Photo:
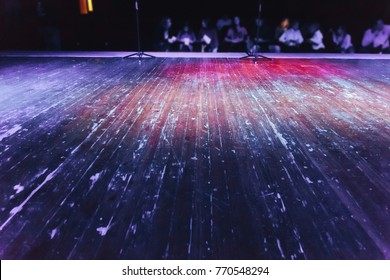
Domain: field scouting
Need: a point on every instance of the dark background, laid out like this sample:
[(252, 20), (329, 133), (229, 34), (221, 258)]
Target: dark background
[(112, 24)]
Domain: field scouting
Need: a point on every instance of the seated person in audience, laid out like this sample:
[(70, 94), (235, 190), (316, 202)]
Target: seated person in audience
[(186, 38), (279, 30), (260, 37), (208, 37), (315, 41), (376, 38), (292, 38), (164, 39), (236, 36), (342, 41)]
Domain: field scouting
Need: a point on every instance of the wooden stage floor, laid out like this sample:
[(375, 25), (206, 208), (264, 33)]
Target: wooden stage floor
[(194, 158)]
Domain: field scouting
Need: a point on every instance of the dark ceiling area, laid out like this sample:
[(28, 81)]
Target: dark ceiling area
[(111, 26)]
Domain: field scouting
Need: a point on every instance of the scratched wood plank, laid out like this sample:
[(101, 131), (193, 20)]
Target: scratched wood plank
[(194, 159)]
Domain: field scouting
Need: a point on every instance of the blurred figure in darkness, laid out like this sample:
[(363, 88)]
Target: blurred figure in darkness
[(342, 41), (236, 36), (208, 37), (260, 37), (223, 24), (186, 38), (315, 41), (164, 40), (376, 38)]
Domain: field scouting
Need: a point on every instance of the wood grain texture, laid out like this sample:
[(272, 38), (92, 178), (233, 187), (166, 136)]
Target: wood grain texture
[(194, 159)]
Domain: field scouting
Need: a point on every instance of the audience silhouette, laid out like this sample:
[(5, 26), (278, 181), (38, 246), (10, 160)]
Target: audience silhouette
[(376, 38), (292, 38), (208, 37), (342, 41), (236, 36), (186, 38), (164, 39)]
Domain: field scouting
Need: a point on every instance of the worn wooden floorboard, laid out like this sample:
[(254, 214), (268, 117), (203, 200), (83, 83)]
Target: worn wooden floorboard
[(194, 159)]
